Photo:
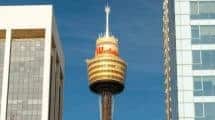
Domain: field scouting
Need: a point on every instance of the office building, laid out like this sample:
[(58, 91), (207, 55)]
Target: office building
[(31, 64), (189, 59)]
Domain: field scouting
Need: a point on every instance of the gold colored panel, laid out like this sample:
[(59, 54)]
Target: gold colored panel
[(106, 64), (106, 78), (2, 34), (106, 58), (106, 74), (28, 33), (95, 66), (106, 70)]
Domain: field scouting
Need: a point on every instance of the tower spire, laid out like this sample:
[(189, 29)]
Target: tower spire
[(107, 11)]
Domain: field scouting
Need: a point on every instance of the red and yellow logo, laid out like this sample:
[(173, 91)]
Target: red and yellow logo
[(108, 48)]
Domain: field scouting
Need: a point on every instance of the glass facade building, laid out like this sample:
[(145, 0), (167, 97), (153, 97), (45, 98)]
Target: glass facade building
[(25, 79), (31, 65), (189, 59)]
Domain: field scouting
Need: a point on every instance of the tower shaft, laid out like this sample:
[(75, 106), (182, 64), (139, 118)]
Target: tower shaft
[(106, 105)]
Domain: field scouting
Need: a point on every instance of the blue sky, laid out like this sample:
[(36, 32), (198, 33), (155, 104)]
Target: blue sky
[(137, 24)]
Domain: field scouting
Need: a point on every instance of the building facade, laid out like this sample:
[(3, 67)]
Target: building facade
[(189, 59), (31, 64)]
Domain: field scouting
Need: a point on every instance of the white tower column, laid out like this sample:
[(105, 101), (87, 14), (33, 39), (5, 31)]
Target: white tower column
[(5, 75), (107, 11)]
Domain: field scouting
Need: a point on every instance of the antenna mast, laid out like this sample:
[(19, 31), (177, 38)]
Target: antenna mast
[(107, 11)]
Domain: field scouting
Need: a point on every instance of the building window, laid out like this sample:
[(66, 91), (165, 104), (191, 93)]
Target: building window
[(203, 59), (204, 111), (203, 34), (199, 110), (202, 9), (197, 59), (204, 85)]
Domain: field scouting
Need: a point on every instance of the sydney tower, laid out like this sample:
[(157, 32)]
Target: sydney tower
[(106, 70)]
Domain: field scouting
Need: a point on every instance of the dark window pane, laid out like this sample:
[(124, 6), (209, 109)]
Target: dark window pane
[(204, 85), (204, 111), (196, 57), (204, 60), (199, 112), (203, 34)]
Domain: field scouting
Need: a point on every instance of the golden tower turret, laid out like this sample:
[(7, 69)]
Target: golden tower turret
[(106, 70)]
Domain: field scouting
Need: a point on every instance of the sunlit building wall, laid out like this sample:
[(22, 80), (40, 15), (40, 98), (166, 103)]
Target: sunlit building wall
[(194, 38), (31, 64)]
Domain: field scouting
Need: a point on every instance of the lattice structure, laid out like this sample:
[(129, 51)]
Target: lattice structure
[(166, 49)]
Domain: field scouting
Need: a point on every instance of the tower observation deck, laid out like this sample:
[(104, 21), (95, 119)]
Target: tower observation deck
[(106, 70)]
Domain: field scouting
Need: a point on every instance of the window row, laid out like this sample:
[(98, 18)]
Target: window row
[(203, 34), (204, 85), (202, 9), (203, 59)]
